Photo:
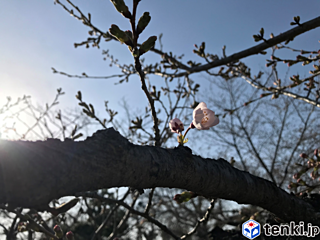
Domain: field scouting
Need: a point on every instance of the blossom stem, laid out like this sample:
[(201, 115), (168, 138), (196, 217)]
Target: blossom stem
[(186, 132)]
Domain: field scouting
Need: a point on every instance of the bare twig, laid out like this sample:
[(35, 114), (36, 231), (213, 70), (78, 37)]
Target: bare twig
[(104, 223), (202, 220), (149, 201), (133, 211)]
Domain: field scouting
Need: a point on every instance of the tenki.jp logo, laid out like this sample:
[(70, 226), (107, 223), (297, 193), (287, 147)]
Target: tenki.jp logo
[(251, 229)]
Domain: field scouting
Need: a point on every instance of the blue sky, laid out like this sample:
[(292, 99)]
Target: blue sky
[(38, 35)]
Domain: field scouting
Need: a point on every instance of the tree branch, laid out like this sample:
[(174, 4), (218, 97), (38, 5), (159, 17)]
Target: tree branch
[(290, 34), (34, 173)]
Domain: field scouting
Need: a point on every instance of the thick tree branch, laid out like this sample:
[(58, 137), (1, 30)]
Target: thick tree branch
[(290, 34), (34, 173)]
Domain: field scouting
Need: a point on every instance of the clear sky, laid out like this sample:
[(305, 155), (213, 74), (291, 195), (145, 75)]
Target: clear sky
[(37, 35)]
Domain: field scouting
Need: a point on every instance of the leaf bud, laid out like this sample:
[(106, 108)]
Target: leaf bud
[(143, 22), (120, 35), (121, 8), (147, 45), (256, 38)]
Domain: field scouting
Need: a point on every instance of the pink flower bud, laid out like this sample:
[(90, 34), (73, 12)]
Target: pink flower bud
[(177, 198), (303, 155), (204, 118), (70, 235), (316, 152), (58, 231), (56, 228), (176, 125), (313, 175)]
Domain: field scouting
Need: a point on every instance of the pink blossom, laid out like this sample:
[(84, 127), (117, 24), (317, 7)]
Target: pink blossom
[(70, 235), (176, 125), (204, 118)]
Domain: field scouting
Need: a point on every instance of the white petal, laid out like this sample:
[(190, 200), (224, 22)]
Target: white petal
[(198, 115), (197, 125), (202, 106), (216, 121)]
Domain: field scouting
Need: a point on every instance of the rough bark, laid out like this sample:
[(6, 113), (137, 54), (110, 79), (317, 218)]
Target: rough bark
[(34, 173)]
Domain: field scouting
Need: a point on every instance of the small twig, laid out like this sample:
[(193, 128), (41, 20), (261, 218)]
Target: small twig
[(86, 76), (286, 93), (103, 224), (149, 201), (202, 220), (133, 211), (32, 222), (142, 78), (124, 219)]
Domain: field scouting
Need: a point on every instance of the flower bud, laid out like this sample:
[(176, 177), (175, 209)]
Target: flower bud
[(312, 175), (177, 198), (296, 176), (292, 186), (70, 235), (176, 125), (58, 231), (303, 155), (316, 152), (310, 164), (22, 226)]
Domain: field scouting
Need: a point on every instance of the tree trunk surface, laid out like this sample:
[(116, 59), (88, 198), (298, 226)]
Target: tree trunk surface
[(34, 173)]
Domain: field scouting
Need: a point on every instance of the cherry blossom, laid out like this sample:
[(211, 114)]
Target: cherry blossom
[(203, 118)]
